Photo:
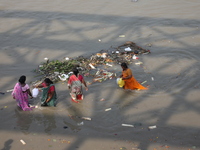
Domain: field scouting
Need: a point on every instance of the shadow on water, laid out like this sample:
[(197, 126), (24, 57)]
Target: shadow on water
[(122, 101), (7, 145), (24, 120)]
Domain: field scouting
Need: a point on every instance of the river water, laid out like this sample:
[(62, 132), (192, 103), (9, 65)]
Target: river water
[(31, 30)]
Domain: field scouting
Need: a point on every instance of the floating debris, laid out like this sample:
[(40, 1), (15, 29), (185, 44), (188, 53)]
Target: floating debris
[(63, 77), (10, 90), (80, 124), (121, 35), (86, 118), (152, 127), (59, 70), (139, 63), (127, 125), (108, 109), (22, 141), (143, 82), (128, 49), (102, 99), (135, 57)]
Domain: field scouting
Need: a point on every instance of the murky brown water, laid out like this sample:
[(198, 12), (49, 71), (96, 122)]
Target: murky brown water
[(32, 30)]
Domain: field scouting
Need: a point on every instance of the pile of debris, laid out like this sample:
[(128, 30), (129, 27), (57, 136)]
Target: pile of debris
[(60, 70)]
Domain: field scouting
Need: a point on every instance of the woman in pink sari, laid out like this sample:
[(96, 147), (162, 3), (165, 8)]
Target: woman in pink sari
[(75, 85), (20, 94)]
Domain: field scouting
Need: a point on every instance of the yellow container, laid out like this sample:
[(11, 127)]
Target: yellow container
[(120, 82)]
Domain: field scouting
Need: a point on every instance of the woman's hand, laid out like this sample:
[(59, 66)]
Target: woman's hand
[(86, 88)]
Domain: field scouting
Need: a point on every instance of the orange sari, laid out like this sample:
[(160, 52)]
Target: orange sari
[(131, 83)]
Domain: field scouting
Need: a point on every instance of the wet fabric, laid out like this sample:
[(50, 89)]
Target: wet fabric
[(131, 83), (45, 92), (21, 96), (76, 87)]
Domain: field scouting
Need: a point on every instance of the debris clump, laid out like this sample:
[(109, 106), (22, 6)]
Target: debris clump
[(58, 70)]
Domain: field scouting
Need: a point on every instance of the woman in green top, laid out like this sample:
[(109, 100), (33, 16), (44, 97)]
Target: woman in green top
[(48, 93)]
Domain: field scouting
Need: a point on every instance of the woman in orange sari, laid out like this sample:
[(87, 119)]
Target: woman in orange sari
[(130, 81)]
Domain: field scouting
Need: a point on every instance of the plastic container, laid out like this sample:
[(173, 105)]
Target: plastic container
[(120, 82), (35, 92)]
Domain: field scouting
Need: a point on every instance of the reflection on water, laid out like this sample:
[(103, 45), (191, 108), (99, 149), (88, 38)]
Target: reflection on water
[(24, 119), (75, 112), (47, 119)]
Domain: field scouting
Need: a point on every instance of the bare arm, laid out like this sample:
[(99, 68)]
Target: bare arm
[(50, 95), (29, 92), (86, 88), (39, 86)]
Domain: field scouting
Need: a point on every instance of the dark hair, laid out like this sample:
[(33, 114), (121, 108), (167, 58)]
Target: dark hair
[(47, 80), (75, 71), (22, 79), (124, 65)]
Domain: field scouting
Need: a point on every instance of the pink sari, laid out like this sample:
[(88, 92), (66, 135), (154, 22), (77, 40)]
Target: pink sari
[(76, 87), (21, 97)]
